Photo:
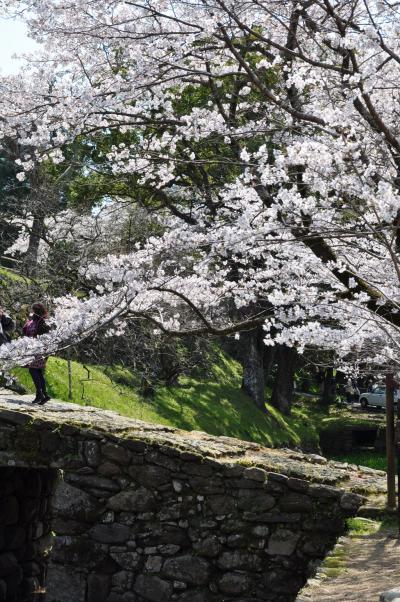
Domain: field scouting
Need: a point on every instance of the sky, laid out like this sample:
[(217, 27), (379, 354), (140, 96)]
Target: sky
[(13, 40)]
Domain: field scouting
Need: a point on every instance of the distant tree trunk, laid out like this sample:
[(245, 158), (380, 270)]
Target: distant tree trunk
[(328, 388), (253, 366), (282, 394), (32, 254)]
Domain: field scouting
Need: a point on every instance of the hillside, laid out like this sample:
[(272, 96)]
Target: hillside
[(215, 405)]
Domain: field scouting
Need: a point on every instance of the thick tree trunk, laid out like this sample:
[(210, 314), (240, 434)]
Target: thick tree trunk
[(282, 394), (328, 388), (253, 366)]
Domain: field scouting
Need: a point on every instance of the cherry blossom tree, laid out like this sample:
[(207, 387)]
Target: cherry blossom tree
[(267, 130)]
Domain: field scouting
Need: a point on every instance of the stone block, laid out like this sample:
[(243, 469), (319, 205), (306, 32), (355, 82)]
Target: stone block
[(296, 502), (168, 549), (65, 584), (78, 551), (133, 500), (298, 485), (126, 560), (155, 457), (324, 491), (93, 482), (153, 564), (110, 534), (202, 596), (116, 453), (258, 502), (150, 476), (98, 587), (127, 597), (392, 595), (238, 540), (255, 474), (351, 502), (208, 547), (207, 486), (122, 581), (283, 542), (239, 559), (91, 451), (187, 568), (233, 583), (68, 527), (109, 469), (153, 588), (199, 470), (272, 517), (50, 442), (220, 504), (74, 503)]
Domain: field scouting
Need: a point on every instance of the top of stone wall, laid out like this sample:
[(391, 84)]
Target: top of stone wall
[(90, 421)]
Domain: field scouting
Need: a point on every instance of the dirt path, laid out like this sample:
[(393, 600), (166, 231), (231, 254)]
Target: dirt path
[(368, 566)]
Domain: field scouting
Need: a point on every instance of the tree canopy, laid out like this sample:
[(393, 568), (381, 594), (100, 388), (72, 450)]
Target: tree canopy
[(267, 135)]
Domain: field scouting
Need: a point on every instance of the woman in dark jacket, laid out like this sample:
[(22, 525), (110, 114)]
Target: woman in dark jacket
[(35, 326)]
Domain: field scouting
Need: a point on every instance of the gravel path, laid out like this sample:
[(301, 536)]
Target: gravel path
[(371, 566)]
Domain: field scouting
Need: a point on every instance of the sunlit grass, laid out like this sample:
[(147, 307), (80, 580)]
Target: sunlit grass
[(362, 527), (216, 405)]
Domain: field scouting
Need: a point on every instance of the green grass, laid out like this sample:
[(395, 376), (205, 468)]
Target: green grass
[(370, 459), (9, 274), (215, 405), (362, 527)]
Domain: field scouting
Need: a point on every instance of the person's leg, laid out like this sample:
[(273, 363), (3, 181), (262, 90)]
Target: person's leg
[(45, 395), (35, 374), (42, 380)]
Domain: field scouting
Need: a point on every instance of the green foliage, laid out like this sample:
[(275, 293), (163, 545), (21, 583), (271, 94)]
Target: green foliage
[(362, 527)]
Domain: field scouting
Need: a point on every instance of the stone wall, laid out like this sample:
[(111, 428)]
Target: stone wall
[(147, 513), (24, 532)]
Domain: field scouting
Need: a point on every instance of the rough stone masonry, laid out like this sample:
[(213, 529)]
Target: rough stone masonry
[(95, 507)]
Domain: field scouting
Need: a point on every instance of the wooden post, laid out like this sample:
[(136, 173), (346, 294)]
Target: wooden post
[(397, 443), (69, 379), (390, 444)]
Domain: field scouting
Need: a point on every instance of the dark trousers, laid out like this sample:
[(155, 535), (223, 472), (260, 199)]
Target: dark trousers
[(37, 375)]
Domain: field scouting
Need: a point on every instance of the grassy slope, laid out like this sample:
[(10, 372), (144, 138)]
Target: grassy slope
[(216, 405)]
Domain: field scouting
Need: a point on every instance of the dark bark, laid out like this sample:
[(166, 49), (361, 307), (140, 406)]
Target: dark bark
[(282, 394), (35, 235), (328, 388), (269, 359), (253, 366)]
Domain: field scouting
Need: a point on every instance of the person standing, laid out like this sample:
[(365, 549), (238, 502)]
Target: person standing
[(35, 326)]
